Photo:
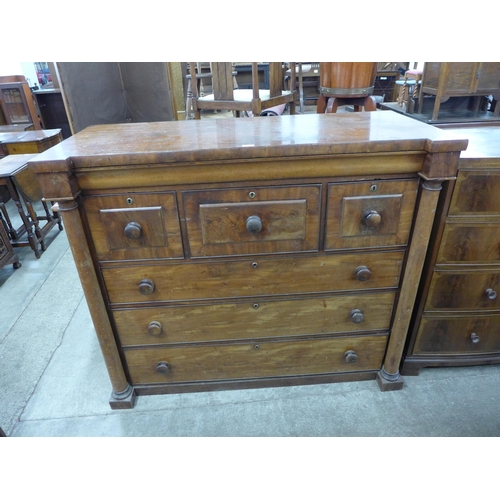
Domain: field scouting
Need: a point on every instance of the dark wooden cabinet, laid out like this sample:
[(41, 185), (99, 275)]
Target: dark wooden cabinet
[(7, 254), (243, 253), (17, 102), (457, 317)]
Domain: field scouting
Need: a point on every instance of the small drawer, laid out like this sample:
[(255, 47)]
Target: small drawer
[(476, 193), (370, 214), (254, 319), (252, 277), (472, 290), (470, 243), (458, 335), (251, 360), (254, 220), (135, 226)]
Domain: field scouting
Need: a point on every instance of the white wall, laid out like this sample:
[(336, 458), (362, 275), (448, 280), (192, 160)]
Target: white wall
[(8, 68)]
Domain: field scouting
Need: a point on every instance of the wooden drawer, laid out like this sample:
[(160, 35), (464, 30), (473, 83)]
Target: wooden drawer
[(253, 277), (458, 335), (250, 360), (370, 214), (254, 220), (135, 226), (476, 193), (252, 320), (469, 243), (472, 290)]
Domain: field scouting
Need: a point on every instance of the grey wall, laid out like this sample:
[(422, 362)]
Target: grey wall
[(112, 92)]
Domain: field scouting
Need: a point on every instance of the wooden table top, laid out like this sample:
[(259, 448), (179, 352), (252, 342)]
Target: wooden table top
[(28, 136), (15, 128), (484, 140), (11, 164), (252, 138)]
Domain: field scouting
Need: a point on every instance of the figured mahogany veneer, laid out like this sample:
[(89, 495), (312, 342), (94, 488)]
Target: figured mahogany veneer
[(244, 253), (457, 318)]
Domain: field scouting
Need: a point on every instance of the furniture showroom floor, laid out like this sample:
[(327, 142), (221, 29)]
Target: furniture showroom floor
[(54, 382)]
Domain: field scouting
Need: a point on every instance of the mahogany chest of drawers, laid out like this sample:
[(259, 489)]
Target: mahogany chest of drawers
[(241, 253), (457, 317)]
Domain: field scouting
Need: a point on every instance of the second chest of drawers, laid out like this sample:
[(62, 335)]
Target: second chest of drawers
[(457, 321)]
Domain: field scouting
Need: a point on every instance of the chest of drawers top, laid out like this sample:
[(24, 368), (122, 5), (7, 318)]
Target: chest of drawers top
[(247, 147)]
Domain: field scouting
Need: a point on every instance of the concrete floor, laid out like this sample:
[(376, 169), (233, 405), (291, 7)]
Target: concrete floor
[(53, 381)]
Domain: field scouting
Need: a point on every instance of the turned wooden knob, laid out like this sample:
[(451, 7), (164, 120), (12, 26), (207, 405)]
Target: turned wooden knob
[(146, 286), (350, 357), (133, 230), (491, 294), (155, 328), (254, 224), (163, 367), (372, 218), (474, 338), (362, 273), (356, 316)]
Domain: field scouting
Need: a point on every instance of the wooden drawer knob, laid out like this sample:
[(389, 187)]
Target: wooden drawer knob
[(362, 273), (133, 230), (350, 357), (372, 218), (474, 338), (146, 287), (254, 224), (357, 316), (155, 328), (491, 294), (163, 367)]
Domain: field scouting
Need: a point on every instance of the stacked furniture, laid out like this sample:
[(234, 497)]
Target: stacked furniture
[(250, 253), (457, 320), (458, 79)]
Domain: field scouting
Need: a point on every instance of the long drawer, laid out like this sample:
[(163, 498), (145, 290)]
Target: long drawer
[(255, 360), (252, 277), (253, 320), (458, 335)]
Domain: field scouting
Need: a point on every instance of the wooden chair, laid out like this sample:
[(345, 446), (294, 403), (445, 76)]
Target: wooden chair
[(307, 74), (225, 97)]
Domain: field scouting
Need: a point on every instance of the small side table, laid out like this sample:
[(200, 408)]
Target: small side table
[(29, 141), (20, 183)]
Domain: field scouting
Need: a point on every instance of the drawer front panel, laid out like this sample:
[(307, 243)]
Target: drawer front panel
[(464, 290), (252, 221), (464, 335), (248, 278), (370, 214), (250, 319), (255, 360), (476, 193), (135, 226), (470, 243)]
